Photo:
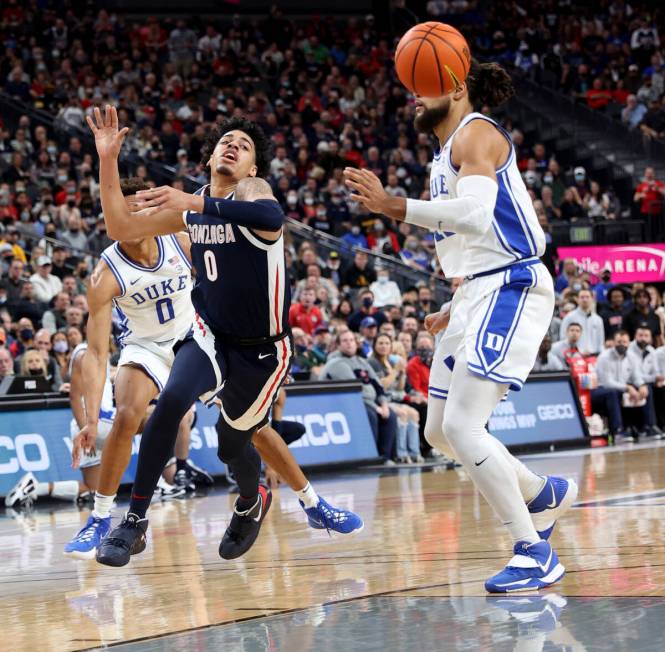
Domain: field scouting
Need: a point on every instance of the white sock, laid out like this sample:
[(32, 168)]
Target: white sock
[(308, 496), (66, 490), (103, 505), (43, 489)]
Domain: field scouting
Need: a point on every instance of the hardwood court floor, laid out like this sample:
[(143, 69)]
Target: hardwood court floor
[(428, 536)]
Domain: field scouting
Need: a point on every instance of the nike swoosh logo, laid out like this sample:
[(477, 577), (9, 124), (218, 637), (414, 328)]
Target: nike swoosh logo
[(545, 567), (481, 461), (553, 503), (136, 280), (264, 355)]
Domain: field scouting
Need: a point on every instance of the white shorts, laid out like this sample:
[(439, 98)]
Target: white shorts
[(155, 360), (103, 429), (498, 321)]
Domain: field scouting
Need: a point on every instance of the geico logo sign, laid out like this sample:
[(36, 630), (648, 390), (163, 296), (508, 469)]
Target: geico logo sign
[(15, 450), (555, 411), (322, 429)]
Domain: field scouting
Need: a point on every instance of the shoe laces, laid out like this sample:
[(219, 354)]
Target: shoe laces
[(330, 516), (88, 532)]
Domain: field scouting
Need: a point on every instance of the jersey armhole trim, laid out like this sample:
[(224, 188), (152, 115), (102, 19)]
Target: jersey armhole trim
[(501, 130), (116, 273), (257, 240), (176, 244)]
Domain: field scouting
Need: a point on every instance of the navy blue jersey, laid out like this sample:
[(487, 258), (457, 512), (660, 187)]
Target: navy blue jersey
[(241, 287)]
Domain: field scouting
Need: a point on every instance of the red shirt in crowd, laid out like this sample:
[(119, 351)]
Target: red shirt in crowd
[(418, 374), (652, 202), (306, 318)]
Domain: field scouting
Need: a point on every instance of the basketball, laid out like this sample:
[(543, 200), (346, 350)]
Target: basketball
[(432, 59)]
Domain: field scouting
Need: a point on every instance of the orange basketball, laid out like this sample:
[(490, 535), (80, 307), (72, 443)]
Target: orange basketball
[(432, 59)]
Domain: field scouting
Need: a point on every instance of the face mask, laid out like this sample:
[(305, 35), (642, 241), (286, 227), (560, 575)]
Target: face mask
[(412, 246), (301, 348), (291, 200), (642, 345), (321, 213), (26, 333), (382, 279), (548, 179), (367, 302), (4, 201), (71, 203), (60, 346), (425, 356), (52, 150), (62, 179), (309, 201), (355, 230), (620, 349), (3, 299), (83, 273), (44, 219), (36, 372), (74, 230), (25, 216), (577, 287)]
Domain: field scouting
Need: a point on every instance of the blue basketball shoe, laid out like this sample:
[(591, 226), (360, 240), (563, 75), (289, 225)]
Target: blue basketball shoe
[(534, 566), (554, 499), (327, 517), (84, 545)]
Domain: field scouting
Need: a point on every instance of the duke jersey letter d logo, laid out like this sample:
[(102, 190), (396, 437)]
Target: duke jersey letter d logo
[(494, 341)]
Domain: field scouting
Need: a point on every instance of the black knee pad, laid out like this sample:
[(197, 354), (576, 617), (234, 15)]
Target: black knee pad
[(230, 441)]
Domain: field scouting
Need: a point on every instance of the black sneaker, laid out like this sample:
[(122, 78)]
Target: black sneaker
[(199, 475), (244, 527), (123, 541), (184, 480)]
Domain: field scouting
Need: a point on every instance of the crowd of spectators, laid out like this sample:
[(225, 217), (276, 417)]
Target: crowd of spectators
[(325, 93)]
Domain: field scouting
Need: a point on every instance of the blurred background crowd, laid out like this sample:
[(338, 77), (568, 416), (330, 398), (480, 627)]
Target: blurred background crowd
[(325, 92)]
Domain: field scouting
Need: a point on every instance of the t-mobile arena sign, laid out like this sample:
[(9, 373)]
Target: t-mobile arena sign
[(628, 263)]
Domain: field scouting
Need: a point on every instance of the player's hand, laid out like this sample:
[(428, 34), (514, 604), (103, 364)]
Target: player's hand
[(370, 193), (84, 441), (163, 198), (437, 321), (108, 139), (383, 410)]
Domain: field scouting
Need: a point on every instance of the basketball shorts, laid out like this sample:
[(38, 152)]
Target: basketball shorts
[(498, 321), (248, 377), (103, 429), (155, 359)]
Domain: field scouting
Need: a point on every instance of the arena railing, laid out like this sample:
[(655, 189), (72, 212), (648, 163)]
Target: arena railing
[(400, 272)]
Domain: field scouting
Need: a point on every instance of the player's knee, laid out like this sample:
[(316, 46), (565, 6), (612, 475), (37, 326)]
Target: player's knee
[(127, 421), (434, 434), (230, 440)]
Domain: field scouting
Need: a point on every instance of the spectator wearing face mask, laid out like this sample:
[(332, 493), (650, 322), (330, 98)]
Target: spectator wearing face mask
[(25, 334), (386, 292), (655, 373), (74, 235), (546, 360), (32, 364), (567, 276), (622, 393), (366, 309), (413, 253), (333, 269), (382, 240), (418, 367), (593, 331), (355, 237)]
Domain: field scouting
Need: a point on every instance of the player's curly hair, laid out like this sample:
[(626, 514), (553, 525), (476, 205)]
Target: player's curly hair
[(131, 185), (488, 84), (253, 130)]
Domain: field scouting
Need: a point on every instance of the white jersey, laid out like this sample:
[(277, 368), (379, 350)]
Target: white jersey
[(515, 234), (155, 307)]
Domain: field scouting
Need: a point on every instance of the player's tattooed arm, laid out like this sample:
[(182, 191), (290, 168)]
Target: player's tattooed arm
[(122, 224)]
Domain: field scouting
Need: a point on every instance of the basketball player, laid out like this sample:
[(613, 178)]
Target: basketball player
[(486, 231), (149, 281), (239, 339)]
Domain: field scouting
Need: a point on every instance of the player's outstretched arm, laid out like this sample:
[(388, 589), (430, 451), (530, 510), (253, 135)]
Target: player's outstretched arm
[(260, 214), (120, 223), (479, 149), (91, 374)]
